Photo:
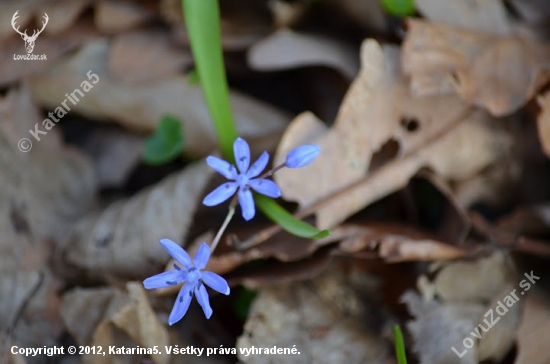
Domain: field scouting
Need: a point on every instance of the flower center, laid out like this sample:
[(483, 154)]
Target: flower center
[(193, 275), (242, 180)]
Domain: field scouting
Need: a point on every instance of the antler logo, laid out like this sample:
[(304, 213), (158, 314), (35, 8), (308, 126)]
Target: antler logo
[(29, 41)]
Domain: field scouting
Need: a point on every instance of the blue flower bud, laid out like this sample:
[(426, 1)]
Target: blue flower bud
[(302, 156)]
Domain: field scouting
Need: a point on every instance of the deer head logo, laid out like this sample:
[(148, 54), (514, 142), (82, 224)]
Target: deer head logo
[(29, 41)]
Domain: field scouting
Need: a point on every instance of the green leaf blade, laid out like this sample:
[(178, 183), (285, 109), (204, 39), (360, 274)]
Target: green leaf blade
[(166, 143), (399, 8), (399, 345), (288, 222), (202, 19)]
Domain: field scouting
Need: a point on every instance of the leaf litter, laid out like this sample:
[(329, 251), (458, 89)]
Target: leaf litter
[(432, 176)]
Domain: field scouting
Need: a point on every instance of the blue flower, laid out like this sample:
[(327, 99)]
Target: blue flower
[(302, 156), (243, 181), (192, 276)]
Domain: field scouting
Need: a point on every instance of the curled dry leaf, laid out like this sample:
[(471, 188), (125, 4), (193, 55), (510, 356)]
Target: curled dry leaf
[(487, 16), (114, 153), (140, 107), (287, 49), (35, 213), (497, 342), (146, 56), (394, 243), (52, 46), (439, 132), (112, 317), (124, 238), (62, 13), (438, 328), (532, 336), (7, 9), (367, 13), (116, 16), (499, 73), (485, 278), (543, 123), (313, 318), (484, 283), (285, 14), (243, 22)]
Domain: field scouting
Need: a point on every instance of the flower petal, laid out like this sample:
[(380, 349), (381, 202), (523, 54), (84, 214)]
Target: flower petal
[(202, 297), (247, 204), (220, 194), (224, 168), (164, 279), (265, 187), (258, 166), (176, 252), (202, 256), (216, 282), (242, 154), (182, 304), (302, 156)]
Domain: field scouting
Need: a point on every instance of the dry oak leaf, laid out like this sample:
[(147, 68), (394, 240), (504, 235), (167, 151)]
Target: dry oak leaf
[(543, 123), (392, 242), (312, 317), (499, 73), (438, 327), (532, 336), (116, 16), (113, 317), (287, 49), (124, 238), (62, 13), (486, 282), (44, 191), (140, 107), (439, 132), (487, 16), (145, 56)]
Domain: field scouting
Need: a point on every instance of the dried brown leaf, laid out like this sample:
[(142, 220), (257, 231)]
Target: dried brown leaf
[(113, 317), (543, 122), (145, 56), (481, 15), (378, 109), (497, 342), (438, 328), (393, 242), (532, 335), (44, 191), (141, 107), (499, 73), (483, 284), (313, 317), (62, 13), (114, 154), (287, 49), (53, 46), (116, 16), (485, 279), (7, 9), (367, 13), (285, 14), (124, 238)]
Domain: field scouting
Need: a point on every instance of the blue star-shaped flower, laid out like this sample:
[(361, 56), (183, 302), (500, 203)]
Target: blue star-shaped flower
[(194, 279), (243, 181)]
